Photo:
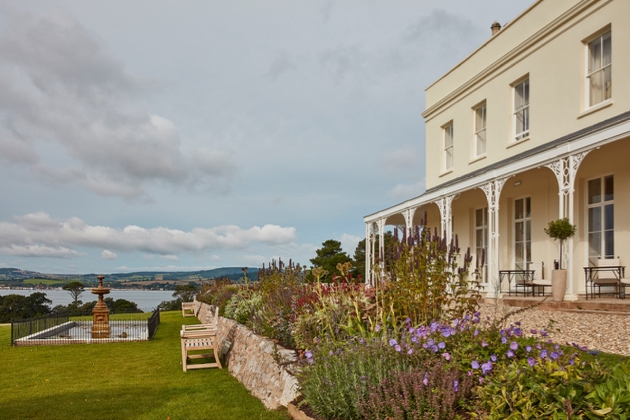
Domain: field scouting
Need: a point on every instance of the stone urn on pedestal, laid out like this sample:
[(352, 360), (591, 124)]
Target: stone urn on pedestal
[(100, 313), (560, 229)]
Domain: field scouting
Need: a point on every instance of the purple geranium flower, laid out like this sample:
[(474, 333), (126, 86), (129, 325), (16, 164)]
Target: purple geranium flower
[(543, 354), (447, 356), (397, 347), (531, 361), (441, 345), (486, 367), (392, 342), (510, 354), (475, 364), (514, 345), (493, 358), (528, 349)]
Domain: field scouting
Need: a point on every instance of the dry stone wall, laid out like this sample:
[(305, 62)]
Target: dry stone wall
[(263, 367)]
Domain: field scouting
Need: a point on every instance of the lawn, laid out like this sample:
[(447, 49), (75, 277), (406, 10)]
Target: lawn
[(142, 380)]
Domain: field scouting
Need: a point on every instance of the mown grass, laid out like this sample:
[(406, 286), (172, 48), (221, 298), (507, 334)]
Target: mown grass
[(142, 380)]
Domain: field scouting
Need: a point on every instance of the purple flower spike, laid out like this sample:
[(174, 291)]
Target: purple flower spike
[(377, 328), (425, 381), (456, 385)]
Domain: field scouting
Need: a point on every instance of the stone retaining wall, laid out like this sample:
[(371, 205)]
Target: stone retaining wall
[(260, 365)]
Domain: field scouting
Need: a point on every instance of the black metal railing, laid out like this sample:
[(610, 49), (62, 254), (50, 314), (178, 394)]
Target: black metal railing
[(25, 327), (65, 329), (153, 322)]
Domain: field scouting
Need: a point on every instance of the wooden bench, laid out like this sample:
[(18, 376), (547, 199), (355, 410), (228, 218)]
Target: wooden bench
[(196, 340), (188, 309)]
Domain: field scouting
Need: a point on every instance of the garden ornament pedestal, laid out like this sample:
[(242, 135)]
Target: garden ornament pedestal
[(100, 326), (558, 284)]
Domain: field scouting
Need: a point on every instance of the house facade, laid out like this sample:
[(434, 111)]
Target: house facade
[(531, 127)]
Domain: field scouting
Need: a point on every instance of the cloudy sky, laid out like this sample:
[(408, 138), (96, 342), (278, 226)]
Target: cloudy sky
[(170, 135)]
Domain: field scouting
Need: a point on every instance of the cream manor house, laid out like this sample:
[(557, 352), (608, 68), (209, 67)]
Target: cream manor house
[(531, 127)]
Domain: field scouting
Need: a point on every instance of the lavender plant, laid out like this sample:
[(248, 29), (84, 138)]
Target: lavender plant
[(425, 281)]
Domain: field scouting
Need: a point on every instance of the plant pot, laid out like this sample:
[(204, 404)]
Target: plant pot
[(558, 284)]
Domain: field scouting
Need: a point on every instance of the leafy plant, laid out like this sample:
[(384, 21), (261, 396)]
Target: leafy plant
[(562, 230), (425, 282)]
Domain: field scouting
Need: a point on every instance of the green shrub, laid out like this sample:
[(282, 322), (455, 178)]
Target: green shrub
[(243, 305)]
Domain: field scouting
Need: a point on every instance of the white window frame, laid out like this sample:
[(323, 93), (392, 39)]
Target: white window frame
[(521, 112), (447, 143), (594, 71), (602, 204), (526, 242), (480, 114)]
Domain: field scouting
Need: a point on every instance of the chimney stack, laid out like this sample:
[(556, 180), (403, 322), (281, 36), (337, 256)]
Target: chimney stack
[(495, 27)]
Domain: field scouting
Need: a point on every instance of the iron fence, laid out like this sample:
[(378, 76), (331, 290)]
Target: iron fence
[(153, 322), (64, 329)]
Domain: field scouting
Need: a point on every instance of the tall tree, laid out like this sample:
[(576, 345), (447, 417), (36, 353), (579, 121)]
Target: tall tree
[(75, 288), (328, 256), (358, 261)]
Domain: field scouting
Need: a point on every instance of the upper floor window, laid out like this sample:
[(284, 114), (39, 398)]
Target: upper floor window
[(448, 146), (521, 110), (480, 130), (599, 69)]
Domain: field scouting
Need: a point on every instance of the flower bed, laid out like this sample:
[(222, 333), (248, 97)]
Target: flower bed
[(415, 345)]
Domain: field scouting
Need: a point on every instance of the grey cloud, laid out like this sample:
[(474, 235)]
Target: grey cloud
[(281, 64), (60, 85)]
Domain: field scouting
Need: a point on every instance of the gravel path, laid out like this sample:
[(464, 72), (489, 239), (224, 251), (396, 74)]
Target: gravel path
[(596, 330)]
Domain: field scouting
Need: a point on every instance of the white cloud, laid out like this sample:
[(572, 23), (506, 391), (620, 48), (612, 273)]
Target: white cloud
[(108, 255), (38, 234), (349, 243)]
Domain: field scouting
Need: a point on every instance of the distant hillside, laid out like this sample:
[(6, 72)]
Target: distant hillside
[(15, 276)]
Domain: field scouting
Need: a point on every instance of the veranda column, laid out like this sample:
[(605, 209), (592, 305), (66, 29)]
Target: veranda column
[(565, 170), (493, 193), (381, 245), (368, 255), (446, 216), (408, 214)]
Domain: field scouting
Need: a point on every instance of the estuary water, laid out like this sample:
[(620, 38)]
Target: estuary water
[(145, 299)]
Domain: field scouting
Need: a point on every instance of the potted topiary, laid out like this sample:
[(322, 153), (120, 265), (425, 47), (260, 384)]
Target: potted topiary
[(560, 229)]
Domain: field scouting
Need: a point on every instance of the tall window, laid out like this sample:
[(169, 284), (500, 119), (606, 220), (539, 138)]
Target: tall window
[(480, 130), (522, 233), (521, 110), (601, 218), (448, 147), (481, 239), (600, 69)]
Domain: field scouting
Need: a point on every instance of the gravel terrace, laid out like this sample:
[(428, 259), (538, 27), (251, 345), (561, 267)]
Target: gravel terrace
[(600, 331)]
